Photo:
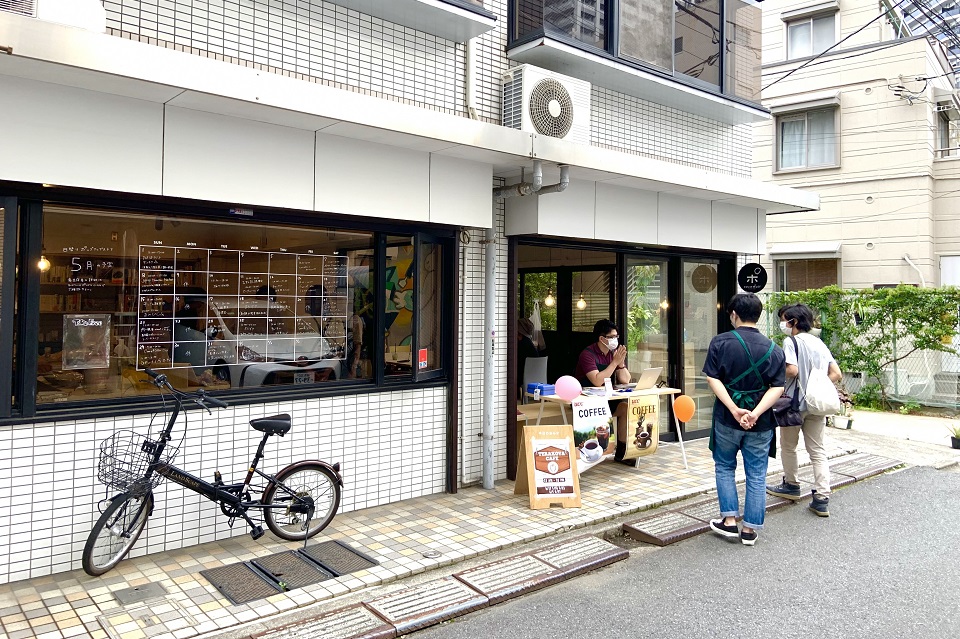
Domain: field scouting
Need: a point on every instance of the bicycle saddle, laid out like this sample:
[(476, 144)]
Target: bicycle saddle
[(276, 425)]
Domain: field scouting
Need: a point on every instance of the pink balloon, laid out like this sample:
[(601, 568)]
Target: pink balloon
[(568, 388)]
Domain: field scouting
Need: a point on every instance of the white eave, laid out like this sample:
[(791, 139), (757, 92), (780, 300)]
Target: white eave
[(442, 19), (825, 249), (108, 64)]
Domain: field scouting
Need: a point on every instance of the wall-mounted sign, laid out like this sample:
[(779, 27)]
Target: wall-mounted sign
[(704, 278), (752, 277), (86, 341)]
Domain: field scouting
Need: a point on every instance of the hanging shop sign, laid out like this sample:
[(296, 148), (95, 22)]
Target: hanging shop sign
[(752, 277)]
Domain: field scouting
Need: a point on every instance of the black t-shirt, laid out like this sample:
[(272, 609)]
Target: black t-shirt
[(726, 360)]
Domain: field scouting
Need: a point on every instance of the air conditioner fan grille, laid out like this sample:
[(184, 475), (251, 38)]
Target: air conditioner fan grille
[(551, 109)]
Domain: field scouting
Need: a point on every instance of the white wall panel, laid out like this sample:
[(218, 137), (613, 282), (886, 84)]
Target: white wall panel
[(221, 158), (365, 178), (626, 215), (460, 192), (684, 221), (734, 228), (570, 213), (61, 135)]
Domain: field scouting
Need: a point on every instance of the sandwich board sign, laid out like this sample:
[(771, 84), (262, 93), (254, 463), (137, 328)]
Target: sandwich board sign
[(547, 469)]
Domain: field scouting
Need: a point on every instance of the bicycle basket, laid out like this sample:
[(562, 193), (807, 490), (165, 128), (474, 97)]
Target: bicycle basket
[(125, 457)]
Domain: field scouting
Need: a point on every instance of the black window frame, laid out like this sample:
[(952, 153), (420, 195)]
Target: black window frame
[(26, 217)]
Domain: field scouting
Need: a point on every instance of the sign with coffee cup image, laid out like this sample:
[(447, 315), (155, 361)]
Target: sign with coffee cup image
[(593, 428), (643, 428), (547, 468)]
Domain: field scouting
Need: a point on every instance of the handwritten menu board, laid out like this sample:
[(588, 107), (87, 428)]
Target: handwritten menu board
[(206, 307)]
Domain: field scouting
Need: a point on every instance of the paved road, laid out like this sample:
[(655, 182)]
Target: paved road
[(885, 564)]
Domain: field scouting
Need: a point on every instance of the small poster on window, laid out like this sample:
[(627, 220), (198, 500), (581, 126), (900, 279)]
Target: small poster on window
[(86, 341)]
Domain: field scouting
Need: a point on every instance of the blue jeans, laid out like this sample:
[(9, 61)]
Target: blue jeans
[(755, 448)]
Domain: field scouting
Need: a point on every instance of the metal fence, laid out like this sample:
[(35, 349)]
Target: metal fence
[(930, 378)]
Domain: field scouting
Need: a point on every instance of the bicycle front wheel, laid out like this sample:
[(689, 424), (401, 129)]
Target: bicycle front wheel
[(116, 532), (305, 479)]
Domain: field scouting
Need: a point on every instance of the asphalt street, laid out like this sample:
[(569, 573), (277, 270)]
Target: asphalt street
[(885, 564)]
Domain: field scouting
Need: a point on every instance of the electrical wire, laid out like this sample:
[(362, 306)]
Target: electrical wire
[(861, 218)]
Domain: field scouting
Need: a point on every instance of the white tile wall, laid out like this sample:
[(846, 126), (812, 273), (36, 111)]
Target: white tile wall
[(319, 41), (391, 446)]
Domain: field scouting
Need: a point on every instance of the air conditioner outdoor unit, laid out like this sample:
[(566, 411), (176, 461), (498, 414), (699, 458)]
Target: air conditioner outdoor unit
[(85, 14), (544, 102), (23, 7)]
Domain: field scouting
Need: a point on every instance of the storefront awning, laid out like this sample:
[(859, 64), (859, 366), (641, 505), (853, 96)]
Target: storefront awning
[(827, 249)]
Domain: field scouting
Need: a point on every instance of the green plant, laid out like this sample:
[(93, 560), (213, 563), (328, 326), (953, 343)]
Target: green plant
[(909, 408), (954, 429), (869, 397)]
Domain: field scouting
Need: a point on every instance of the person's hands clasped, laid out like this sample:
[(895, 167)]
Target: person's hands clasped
[(620, 355), (748, 420)]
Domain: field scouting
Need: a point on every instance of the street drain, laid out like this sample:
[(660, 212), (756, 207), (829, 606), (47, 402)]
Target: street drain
[(240, 583), (290, 570), (338, 558), (665, 528)]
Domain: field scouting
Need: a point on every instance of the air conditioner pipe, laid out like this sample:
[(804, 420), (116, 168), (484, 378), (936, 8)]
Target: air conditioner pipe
[(923, 282), (523, 188), (559, 186)]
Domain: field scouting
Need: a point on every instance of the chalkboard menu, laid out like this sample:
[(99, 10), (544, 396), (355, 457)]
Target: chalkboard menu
[(207, 307)]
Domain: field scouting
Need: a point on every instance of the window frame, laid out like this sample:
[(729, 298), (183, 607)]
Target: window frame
[(780, 269), (809, 19), (805, 113), (28, 236)]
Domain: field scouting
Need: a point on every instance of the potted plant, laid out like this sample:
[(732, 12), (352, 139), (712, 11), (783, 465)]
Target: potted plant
[(954, 429), (843, 419)]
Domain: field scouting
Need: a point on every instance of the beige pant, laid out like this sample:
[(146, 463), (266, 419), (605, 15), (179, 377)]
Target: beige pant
[(813, 434)]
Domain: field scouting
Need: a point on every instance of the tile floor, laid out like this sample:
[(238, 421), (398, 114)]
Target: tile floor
[(461, 526)]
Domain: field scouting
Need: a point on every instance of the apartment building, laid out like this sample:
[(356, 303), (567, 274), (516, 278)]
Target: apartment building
[(303, 205)]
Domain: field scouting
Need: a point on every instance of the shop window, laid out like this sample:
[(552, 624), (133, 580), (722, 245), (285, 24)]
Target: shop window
[(802, 275), (222, 305), (810, 35), (591, 300), (540, 293), (807, 139)]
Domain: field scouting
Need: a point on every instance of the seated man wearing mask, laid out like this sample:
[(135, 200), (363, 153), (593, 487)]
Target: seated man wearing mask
[(606, 359)]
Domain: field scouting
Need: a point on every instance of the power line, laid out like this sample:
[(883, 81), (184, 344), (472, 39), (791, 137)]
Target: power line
[(809, 222)]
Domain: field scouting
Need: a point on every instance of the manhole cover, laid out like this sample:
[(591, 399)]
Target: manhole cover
[(665, 528), (163, 617), (240, 583), (349, 623), (581, 554), (427, 604), (291, 569), (337, 557), (510, 578), (137, 594)]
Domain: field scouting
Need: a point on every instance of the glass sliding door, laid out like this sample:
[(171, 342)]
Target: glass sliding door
[(699, 325), (646, 324)]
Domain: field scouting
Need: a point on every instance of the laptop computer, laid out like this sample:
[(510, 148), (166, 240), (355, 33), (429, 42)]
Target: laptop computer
[(648, 378)]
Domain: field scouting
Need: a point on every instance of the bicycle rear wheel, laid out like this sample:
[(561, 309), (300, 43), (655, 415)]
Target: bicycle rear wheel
[(305, 479), (116, 532)]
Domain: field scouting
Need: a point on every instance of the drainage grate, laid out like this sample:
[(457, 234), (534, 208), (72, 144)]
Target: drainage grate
[(864, 466), (355, 622), (581, 554), (665, 528), (291, 569), (427, 604), (337, 557), (240, 583), (502, 580), (837, 480)]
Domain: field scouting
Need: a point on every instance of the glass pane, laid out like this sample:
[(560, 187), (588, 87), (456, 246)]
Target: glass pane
[(803, 275), (429, 295), (742, 66), (8, 279), (528, 15), (647, 316), (793, 144), (590, 301), (581, 20), (821, 138), (699, 327), (540, 288), (798, 40), (697, 33), (398, 320), (646, 32), (824, 33), (218, 305)]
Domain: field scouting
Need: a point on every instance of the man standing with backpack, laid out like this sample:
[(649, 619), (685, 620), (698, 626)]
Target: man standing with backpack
[(796, 321), (745, 370)]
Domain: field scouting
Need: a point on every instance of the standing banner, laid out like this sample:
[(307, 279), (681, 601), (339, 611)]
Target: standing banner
[(547, 470), (643, 430), (592, 428)]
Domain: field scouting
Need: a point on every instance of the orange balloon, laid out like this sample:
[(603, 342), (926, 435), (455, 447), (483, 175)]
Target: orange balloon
[(684, 408)]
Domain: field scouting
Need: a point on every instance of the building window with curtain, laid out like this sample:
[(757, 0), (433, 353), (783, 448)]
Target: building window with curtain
[(803, 275), (807, 140), (810, 35)]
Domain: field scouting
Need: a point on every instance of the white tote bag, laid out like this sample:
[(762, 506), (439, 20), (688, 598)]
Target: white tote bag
[(821, 395)]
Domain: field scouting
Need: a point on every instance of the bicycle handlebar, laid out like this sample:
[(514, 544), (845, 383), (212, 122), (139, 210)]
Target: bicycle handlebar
[(200, 397)]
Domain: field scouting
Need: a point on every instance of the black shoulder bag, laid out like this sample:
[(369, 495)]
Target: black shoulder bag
[(786, 410)]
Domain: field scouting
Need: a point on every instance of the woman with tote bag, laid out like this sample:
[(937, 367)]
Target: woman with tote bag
[(807, 362)]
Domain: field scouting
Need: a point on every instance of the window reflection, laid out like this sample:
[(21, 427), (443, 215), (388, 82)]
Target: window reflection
[(584, 20), (398, 320), (697, 39)]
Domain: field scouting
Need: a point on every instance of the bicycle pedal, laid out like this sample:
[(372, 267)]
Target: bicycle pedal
[(256, 532)]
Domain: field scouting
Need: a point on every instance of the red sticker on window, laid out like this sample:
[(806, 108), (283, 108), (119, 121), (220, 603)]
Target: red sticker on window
[(422, 358)]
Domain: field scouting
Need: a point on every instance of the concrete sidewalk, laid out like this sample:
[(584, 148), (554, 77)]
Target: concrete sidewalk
[(462, 528)]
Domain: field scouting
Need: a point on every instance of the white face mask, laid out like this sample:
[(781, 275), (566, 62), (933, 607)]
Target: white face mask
[(785, 328), (612, 343)]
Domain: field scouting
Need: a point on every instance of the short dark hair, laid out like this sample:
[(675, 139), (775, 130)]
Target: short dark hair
[(800, 314), (747, 306), (604, 326)]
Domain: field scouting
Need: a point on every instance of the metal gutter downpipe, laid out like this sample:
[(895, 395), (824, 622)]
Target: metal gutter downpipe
[(471, 80), (560, 186), (923, 282), (523, 188), (489, 345)]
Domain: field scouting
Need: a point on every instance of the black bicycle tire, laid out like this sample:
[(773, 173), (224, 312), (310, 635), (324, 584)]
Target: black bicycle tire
[(319, 520), (89, 562)]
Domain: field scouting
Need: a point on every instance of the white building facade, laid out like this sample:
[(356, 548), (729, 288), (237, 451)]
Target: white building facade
[(286, 203)]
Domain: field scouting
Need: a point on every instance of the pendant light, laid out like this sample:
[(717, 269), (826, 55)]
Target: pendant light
[(581, 303), (549, 300), (43, 263)]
